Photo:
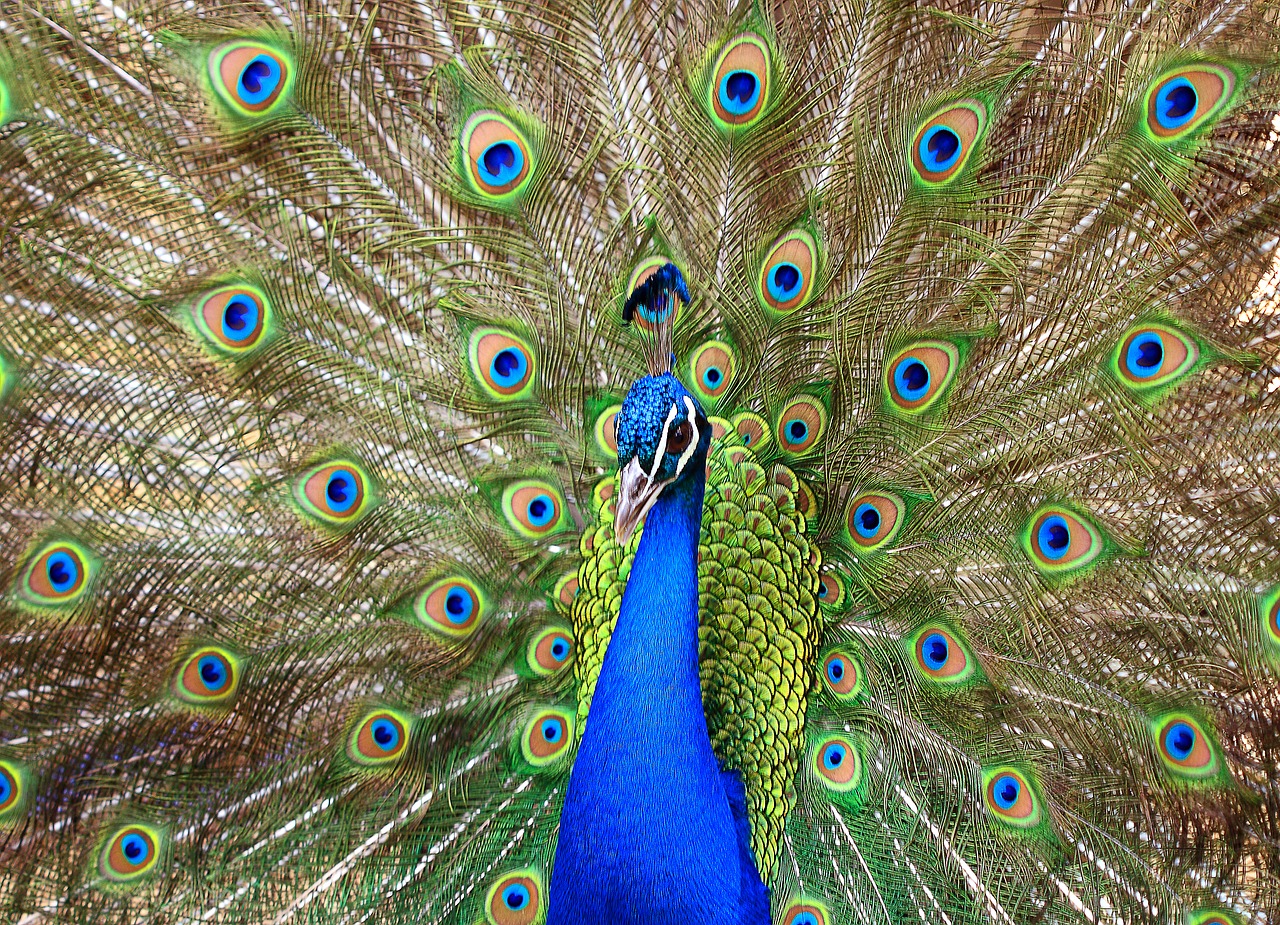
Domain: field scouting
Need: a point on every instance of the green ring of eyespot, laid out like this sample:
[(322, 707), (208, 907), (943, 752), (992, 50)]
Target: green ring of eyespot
[(238, 108), (967, 145), (533, 896), (121, 840), (531, 650), (528, 160), (531, 491), (797, 248), (394, 754), (535, 721), (1269, 613), (802, 904), (218, 345), (6, 371), (85, 563), (485, 347), (1162, 725), (901, 404), (1027, 785), (18, 781), (443, 621), (190, 662), (1077, 561), (866, 545), (817, 754), (1117, 364), (764, 88), (1230, 81), (851, 664), (1211, 917), (967, 674), (605, 420), (366, 500)]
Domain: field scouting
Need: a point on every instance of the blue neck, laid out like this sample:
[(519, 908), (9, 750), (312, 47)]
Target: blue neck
[(647, 834)]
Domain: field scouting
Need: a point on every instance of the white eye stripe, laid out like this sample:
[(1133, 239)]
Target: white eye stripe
[(693, 441), (662, 445)]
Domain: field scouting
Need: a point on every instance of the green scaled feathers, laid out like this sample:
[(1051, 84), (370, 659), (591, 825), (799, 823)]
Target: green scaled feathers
[(757, 577)]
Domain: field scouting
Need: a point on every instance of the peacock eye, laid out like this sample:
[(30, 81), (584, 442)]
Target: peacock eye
[(678, 438)]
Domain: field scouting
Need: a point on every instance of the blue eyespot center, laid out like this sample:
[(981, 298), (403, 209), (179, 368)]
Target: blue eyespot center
[(515, 897), (797, 431), (1006, 791), (835, 670), (936, 651), (559, 650), (541, 509), (551, 730), (385, 734), (212, 672), (833, 756), (939, 149), (805, 918), (911, 378), (340, 491), (1180, 740), (6, 788), (1054, 537), (711, 377), (1176, 103), (739, 92), (1145, 355), (823, 590), (458, 605), (866, 520), (240, 318), (62, 572), (785, 281), (508, 367), (134, 848), (259, 79), (500, 163)]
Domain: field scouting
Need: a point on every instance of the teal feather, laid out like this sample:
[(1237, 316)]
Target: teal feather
[(992, 297)]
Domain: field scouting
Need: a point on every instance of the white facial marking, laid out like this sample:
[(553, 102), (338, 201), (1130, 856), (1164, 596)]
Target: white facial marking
[(662, 444), (693, 442)]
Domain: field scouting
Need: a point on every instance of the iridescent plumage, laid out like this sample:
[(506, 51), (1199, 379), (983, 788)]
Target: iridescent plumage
[(348, 357)]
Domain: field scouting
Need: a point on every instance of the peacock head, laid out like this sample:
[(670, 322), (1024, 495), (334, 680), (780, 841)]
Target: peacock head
[(663, 437)]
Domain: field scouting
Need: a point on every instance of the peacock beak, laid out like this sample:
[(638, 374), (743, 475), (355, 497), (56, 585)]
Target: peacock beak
[(636, 495)]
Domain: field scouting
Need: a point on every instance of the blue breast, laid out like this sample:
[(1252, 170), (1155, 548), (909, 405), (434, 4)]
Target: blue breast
[(652, 831)]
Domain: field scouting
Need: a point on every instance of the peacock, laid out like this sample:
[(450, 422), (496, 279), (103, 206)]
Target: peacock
[(640, 462)]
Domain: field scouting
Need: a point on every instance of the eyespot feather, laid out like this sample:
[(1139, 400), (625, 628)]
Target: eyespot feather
[(545, 738), (59, 574), (788, 272), (918, 376), (336, 494), (130, 853), (250, 79), (740, 85), (515, 898), (534, 508), (496, 158), (946, 140), (452, 606), (379, 738), (207, 676), (502, 365)]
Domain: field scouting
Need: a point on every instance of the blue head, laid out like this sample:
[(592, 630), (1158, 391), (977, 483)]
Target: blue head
[(663, 436)]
